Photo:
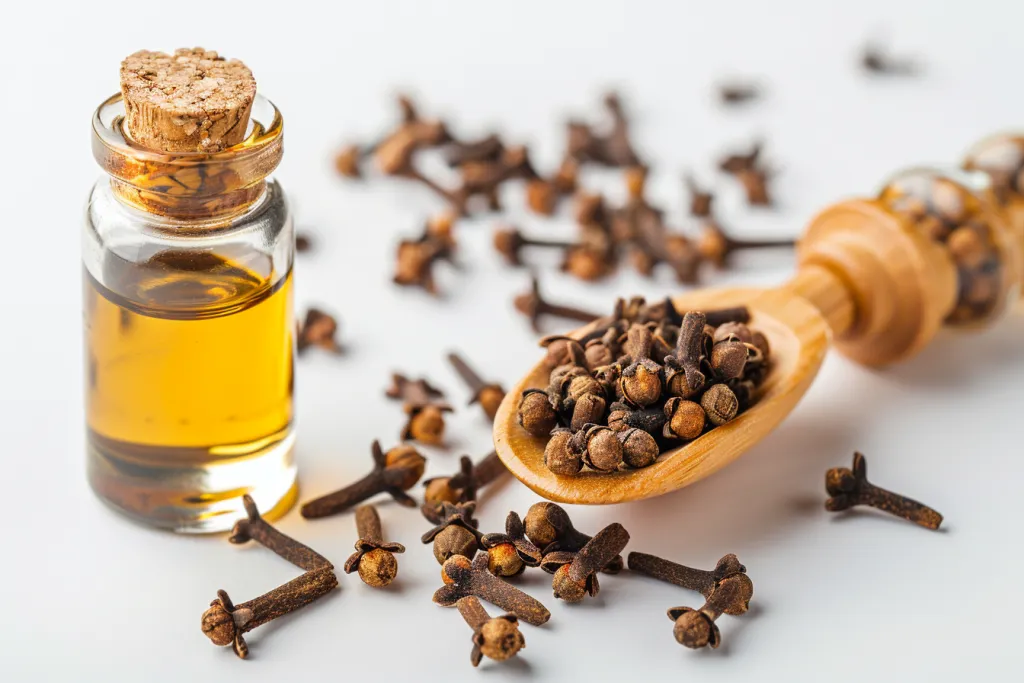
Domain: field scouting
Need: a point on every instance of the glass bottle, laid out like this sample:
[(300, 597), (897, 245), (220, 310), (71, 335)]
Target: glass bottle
[(959, 211), (189, 327)]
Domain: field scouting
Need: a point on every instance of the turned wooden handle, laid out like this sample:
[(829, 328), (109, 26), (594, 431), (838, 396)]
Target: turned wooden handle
[(884, 286)]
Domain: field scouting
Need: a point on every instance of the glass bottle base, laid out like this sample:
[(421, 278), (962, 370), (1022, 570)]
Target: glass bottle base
[(192, 490)]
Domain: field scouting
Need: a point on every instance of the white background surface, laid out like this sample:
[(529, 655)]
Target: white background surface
[(88, 596)]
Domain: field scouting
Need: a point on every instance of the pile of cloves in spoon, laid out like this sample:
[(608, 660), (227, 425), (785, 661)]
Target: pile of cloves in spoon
[(642, 381)]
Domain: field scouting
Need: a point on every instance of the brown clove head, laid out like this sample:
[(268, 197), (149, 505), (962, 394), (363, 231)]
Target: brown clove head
[(219, 625), (572, 590), (499, 639), (694, 628), (546, 523), (405, 466), (425, 423), (378, 568), (455, 563), (318, 329), (536, 414)]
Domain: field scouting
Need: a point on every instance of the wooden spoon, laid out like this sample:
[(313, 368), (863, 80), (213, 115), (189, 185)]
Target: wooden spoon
[(868, 281)]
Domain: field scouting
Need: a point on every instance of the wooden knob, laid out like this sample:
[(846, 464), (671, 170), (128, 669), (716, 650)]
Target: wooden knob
[(935, 248), (902, 285)]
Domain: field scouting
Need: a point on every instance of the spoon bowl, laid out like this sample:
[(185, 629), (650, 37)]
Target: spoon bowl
[(799, 338)]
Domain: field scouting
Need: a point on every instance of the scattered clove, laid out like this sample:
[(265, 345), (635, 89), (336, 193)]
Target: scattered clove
[(533, 306), (850, 487), (488, 395), (225, 623), (423, 407), (393, 473), (510, 242), (738, 93), (544, 194), (700, 200), (374, 559), (255, 528), (575, 574), (754, 177), (456, 533), (697, 628), (549, 528), (463, 579), (461, 487), (484, 178), (510, 553), (486, 149), (877, 61), (716, 247), (734, 600), (612, 149), (319, 329), (415, 258), (496, 638), (303, 243)]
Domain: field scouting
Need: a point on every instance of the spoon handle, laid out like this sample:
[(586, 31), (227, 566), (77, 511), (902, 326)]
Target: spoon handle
[(935, 248)]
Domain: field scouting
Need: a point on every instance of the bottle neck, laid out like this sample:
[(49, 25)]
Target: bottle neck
[(187, 187), (188, 205)]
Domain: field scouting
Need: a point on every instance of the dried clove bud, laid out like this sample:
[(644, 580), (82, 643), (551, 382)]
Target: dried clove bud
[(559, 456), (613, 149), (508, 554), (393, 473), (224, 623), (876, 61), (587, 263), (536, 414), (639, 449), (374, 558), (461, 487), (640, 382), (462, 581), (727, 586), (624, 416), (577, 577), (588, 408), (533, 306), (488, 395), (456, 534), (425, 421), (548, 527), (728, 358), (496, 638), (683, 376), (700, 200), (414, 262), (319, 329), (685, 419), (598, 447), (720, 404), (255, 528), (850, 487), (738, 93), (489, 148), (303, 243), (510, 242), (543, 195)]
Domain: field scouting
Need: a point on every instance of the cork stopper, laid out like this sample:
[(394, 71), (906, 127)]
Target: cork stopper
[(193, 101)]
